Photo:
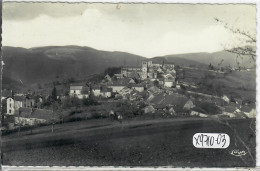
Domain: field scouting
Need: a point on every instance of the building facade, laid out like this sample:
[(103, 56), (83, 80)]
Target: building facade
[(79, 91), (17, 102)]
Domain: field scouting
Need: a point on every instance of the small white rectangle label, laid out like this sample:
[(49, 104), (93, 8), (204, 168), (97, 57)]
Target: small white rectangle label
[(211, 140)]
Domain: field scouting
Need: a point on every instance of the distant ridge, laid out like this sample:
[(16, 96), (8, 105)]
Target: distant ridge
[(46, 64)]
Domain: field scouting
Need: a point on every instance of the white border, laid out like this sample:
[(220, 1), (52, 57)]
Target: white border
[(147, 1), (7, 168)]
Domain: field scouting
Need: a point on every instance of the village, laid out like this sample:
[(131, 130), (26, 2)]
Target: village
[(153, 90)]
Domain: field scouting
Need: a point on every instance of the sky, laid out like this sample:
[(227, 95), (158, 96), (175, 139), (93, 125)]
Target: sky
[(147, 30)]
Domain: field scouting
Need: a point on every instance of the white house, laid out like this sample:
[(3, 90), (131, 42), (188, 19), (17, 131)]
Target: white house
[(108, 78), (96, 91), (139, 88), (13, 104), (117, 87), (79, 90), (102, 91), (169, 82), (106, 92), (10, 106)]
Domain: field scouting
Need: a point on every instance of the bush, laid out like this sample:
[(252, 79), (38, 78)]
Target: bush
[(89, 102), (208, 108)]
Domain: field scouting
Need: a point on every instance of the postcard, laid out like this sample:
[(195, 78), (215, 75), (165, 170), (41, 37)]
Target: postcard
[(128, 84)]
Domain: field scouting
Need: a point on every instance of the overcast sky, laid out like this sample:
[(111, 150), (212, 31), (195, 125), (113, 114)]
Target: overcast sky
[(144, 29)]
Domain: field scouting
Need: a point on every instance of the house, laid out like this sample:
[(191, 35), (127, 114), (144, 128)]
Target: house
[(118, 76), (195, 113), (108, 78), (172, 111), (79, 90), (188, 105), (132, 81), (154, 90), (161, 101), (248, 111), (169, 82), (125, 92), (117, 87), (149, 109), (139, 88), (135, 75), (13, 104), (127, 71), (106, 92), (161, 81), (38, 101), (96, 91)]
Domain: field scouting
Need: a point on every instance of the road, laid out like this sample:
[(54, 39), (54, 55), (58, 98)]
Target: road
[(163, 142)]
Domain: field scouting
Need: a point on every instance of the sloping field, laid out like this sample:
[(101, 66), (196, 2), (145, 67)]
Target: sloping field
[(164, 142)]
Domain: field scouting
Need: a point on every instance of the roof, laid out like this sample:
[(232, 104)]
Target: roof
[(19, 98), (106, 89), (169, 80), (246, 109), (137, 85), (173, 99), (159, 106), (134, 74), (96, 87), (85, 90), (154, 89), (76, 87), (230, 109), (78, 84), (131, 68), (118, 85)]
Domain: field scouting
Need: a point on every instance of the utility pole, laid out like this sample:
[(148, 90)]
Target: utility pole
[(19, 119)]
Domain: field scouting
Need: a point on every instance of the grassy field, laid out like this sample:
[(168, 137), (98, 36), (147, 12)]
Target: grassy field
[(239, 84), (103, 142)]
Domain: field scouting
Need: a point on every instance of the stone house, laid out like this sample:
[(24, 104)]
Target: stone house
[(13, 104)]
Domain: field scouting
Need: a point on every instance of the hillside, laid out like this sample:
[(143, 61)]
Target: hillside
[(25, 68), (215, 58), (45, 64)]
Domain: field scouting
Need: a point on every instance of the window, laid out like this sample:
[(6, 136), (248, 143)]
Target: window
[(10, 99), (10, 105), (10, 111), (74, 91)]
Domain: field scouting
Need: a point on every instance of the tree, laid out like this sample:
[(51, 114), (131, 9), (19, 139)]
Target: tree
[(54, 94), (4, 106), (211, 67), (56, 111), (247, 43), (112, 71)]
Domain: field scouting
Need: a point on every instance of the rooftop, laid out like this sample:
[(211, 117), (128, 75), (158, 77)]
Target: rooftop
[(173, 99), (19, 98), (77, 84)]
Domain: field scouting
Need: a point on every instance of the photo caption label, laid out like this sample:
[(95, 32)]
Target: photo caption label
[(211, 140)]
